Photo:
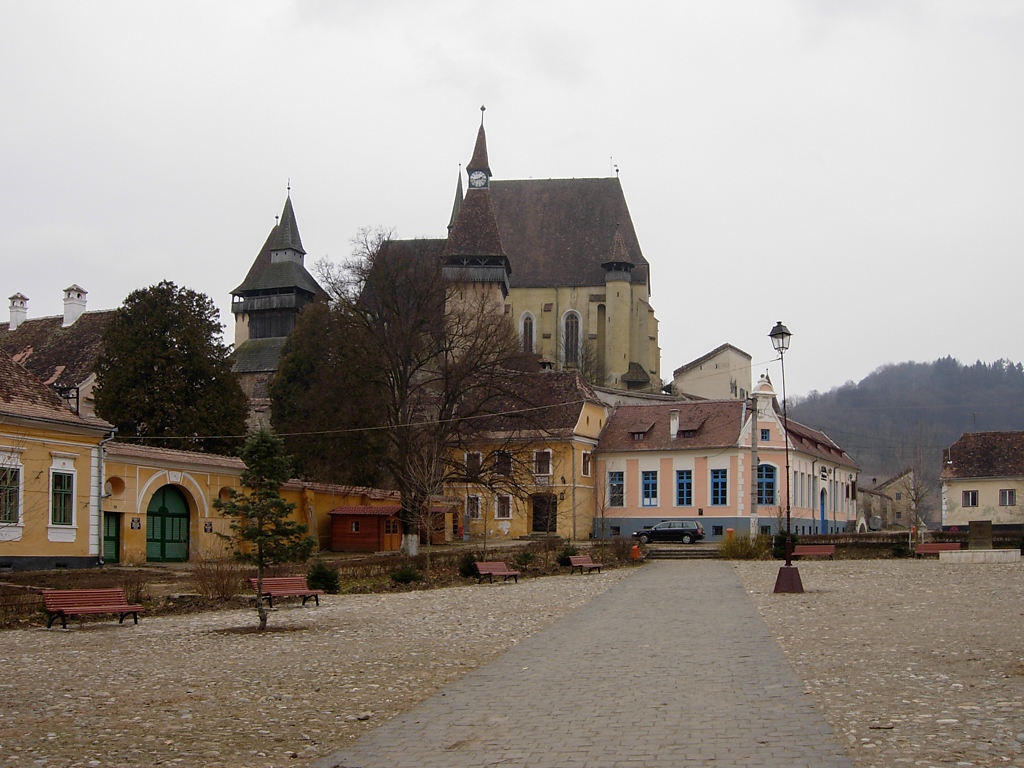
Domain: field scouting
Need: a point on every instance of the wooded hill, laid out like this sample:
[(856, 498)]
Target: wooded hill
[(904, 415)]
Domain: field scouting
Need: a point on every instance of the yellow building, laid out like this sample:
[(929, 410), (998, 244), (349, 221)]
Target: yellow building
[(50, 476), (520, 480), (983, 479)]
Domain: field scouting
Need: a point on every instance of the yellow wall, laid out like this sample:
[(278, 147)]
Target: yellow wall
[(37, 450), (630, 332), (954, 513)]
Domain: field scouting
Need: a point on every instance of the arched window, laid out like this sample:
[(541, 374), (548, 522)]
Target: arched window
[(765, 484), (527, 333), (571, 340)]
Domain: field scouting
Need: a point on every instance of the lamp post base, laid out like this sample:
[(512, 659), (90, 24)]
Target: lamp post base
[(788, 580)]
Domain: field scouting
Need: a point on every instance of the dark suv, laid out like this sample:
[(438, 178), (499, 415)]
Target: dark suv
[(685, 531)]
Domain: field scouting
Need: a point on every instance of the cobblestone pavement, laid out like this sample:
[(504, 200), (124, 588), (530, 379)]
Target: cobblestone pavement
[(671, 667), (913, 662)]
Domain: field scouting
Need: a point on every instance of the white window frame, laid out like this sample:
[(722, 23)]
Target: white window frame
[(586, 462), (11, 459), (535, 465), (968, 496), (497, 507), (62, 464), (470, 507), (1007, 497), (621, 475)]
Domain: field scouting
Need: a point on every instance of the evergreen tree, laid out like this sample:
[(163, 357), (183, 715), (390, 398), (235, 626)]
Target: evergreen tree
[(164, 372), (263, 530)]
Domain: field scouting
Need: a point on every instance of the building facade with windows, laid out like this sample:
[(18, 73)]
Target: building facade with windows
[(983, 479), (51, 473), (694, 460), (532, 473)]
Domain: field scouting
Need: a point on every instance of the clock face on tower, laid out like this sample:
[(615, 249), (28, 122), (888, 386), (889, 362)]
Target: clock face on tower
[(478, 179)]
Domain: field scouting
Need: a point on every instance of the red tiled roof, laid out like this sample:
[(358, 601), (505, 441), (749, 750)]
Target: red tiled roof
[(117, 450), (985, 454), (817, 443), (24, 395), (717, 423), (363, 510)]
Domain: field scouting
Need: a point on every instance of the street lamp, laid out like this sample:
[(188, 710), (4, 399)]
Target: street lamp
[(788, 579)]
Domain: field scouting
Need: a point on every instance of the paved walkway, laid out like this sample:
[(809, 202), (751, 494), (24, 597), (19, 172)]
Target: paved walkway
[(672, 667)]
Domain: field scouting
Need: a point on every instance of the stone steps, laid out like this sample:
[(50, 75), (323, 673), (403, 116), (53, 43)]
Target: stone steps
[(682, 551)]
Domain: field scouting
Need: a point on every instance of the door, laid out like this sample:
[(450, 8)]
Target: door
[(167, 526), (392, 534), (111, 537), (545, 513), (824, 504)]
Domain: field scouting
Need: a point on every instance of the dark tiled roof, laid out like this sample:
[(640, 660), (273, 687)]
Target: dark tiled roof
[(117, 450), (560, 231), (719, 423), (479, 160), (257, 355), (55, 355), (475, 232), (818, 444), (286, 234), (636, 374), (985, 454), (277, 275), (704, 358), (550, 401), (23, 395)]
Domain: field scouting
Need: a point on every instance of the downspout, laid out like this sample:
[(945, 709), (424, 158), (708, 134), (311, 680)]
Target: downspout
[(100, 496), (753, 463)]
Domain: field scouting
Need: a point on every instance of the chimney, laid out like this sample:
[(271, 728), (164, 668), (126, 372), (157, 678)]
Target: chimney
[(673, 423), (74, 304), (19, 310)]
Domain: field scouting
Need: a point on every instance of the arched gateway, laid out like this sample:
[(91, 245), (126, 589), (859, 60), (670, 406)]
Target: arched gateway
[(167, 522)]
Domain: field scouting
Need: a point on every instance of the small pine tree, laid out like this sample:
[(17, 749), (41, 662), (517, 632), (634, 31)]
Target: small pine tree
[(263, 531)]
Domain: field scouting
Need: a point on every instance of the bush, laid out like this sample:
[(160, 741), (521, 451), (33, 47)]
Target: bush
[(779, 545), (466, 569), (902, 550), (136, 587), (524, 558), (406, 573), (621, 548), (568, 550), (217, 577), (322, 576), (745, 548)]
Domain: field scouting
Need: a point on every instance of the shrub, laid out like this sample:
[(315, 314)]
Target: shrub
[(466, 569), (406, 573), (568, 550), (621, 548), (779, 545), (322, 576), (220, 578), (524, 558), (901, 550), (745, 548), (136, 587)]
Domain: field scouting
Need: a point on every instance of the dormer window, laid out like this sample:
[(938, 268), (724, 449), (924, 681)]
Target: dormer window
[(687, 433), (638, 435)]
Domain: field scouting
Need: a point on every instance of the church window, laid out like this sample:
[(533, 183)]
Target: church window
[(527, 333), (571, 339)]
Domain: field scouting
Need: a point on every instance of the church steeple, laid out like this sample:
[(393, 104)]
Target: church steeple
[(473, 253), (285, 243), (458, 201), (478, 169)]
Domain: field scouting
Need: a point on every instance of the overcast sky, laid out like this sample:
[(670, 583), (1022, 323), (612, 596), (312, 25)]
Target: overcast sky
[(850, 168)]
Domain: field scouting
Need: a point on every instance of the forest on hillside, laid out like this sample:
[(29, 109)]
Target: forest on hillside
[(904, 415)]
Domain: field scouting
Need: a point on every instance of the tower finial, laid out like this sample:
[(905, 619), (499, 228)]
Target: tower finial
[(289, 186), (482, 110)]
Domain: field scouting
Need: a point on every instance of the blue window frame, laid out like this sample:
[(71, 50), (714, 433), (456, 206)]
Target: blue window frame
[(684, 488), (719, 487), (650, 488), (616, 489), (765, 484), (766, 435)]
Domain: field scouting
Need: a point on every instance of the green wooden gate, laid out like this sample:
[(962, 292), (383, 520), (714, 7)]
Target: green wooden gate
[(167, 526), (111, 537)]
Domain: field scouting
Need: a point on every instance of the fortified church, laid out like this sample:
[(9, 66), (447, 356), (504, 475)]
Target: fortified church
[(559, 256)]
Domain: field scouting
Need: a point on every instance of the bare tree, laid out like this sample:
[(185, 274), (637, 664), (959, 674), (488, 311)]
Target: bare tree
[(438, 355)]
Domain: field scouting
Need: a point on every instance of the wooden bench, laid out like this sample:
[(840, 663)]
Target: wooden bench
[(934, 547), (583, 561), (815, 550), (287, 586), (490, 569), (78, 602)]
